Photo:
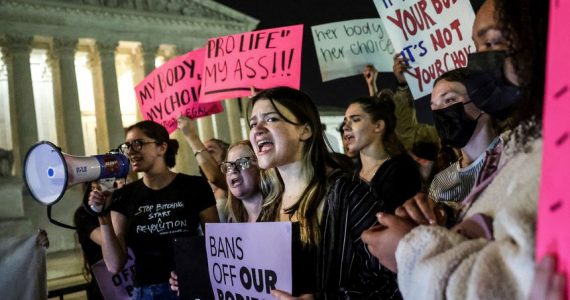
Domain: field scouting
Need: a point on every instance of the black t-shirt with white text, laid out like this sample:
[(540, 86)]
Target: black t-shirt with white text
[(155, 217)]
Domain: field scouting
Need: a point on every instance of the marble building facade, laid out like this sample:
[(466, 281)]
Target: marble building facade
[(67, 74)]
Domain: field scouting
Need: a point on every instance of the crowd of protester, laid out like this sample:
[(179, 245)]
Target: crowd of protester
[(410, 211)]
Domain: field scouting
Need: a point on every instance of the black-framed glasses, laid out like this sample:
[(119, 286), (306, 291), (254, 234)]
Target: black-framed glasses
[(238, 165), (135, 145)]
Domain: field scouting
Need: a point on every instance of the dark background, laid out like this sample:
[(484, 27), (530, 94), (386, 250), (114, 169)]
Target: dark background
[(335, 94)]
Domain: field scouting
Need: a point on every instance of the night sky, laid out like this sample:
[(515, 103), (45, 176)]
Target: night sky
[(333, 94)]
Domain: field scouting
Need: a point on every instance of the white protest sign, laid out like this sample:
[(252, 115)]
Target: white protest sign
[(248, 260), (344, 48), (434, 35)]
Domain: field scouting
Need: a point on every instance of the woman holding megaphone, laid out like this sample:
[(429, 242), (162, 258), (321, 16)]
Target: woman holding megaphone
[(147, 214)]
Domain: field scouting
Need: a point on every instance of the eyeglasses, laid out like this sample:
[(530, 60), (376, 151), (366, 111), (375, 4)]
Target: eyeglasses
[(135, 145), (238, 165)]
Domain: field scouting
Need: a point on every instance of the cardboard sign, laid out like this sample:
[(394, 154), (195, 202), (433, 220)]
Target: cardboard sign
[(260, 59), (248, 260), (554, 204), (116, 286), (435, 37), (173, 90), (345, 48), (23, 273)]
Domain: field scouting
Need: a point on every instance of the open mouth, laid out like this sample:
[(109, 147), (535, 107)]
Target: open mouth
[(348, 138), (264, 146), (235, 181)]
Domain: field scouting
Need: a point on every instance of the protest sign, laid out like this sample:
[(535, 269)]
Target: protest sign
[(173, 90), (23, 273), (345, 48), (115, 286), (434, 36), (248, 260), (260, 59), (554, 204)]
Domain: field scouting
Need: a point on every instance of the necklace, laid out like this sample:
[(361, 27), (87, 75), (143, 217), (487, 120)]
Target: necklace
[(368, 174)]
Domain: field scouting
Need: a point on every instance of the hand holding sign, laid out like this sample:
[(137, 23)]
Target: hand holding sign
[(187, 126), (400, 66)]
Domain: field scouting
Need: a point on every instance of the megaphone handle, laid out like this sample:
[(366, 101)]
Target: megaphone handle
[(97, 208), (94, 210)]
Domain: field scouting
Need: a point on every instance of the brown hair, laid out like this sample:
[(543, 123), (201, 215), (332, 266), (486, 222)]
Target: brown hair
[(316, 159), (382, 107), (157, 132)]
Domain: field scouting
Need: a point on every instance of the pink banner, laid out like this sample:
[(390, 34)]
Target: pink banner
[(260, 59), (554, 204), (173, 90), (118, 286)]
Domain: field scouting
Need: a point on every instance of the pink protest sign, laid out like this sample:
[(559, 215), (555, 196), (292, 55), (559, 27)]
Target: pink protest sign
[(554, 204), (115, 286), (434, 37), (173, 90), (248, 260), (260, 59)]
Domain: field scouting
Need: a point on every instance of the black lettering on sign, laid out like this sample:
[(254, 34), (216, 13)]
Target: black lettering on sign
[(261, 280), (245, 42), (222, 272), (561, 92), (329, 34), (556, 206), (226, 247), (562, 139)]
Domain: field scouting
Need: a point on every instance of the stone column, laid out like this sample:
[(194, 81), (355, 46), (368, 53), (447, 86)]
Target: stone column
[(65, 49), (99, 97), (234, 119), (6, 108), (222, 125), (206, 128), (112, 104), (245, 111), (146, 56), (59, 111), (149, 57), (24, 123), (185, 160)]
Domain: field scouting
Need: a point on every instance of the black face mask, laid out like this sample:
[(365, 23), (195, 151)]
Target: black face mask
[(453, 125), (487, 86)]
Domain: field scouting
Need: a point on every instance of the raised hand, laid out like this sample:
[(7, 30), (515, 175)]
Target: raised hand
[(371, 75), (187, 126), (399, 67)]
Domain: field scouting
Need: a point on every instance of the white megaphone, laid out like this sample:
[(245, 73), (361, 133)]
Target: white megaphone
[(48, 172)]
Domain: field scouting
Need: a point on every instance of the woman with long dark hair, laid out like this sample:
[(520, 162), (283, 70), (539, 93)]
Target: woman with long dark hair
[(147, 214)]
